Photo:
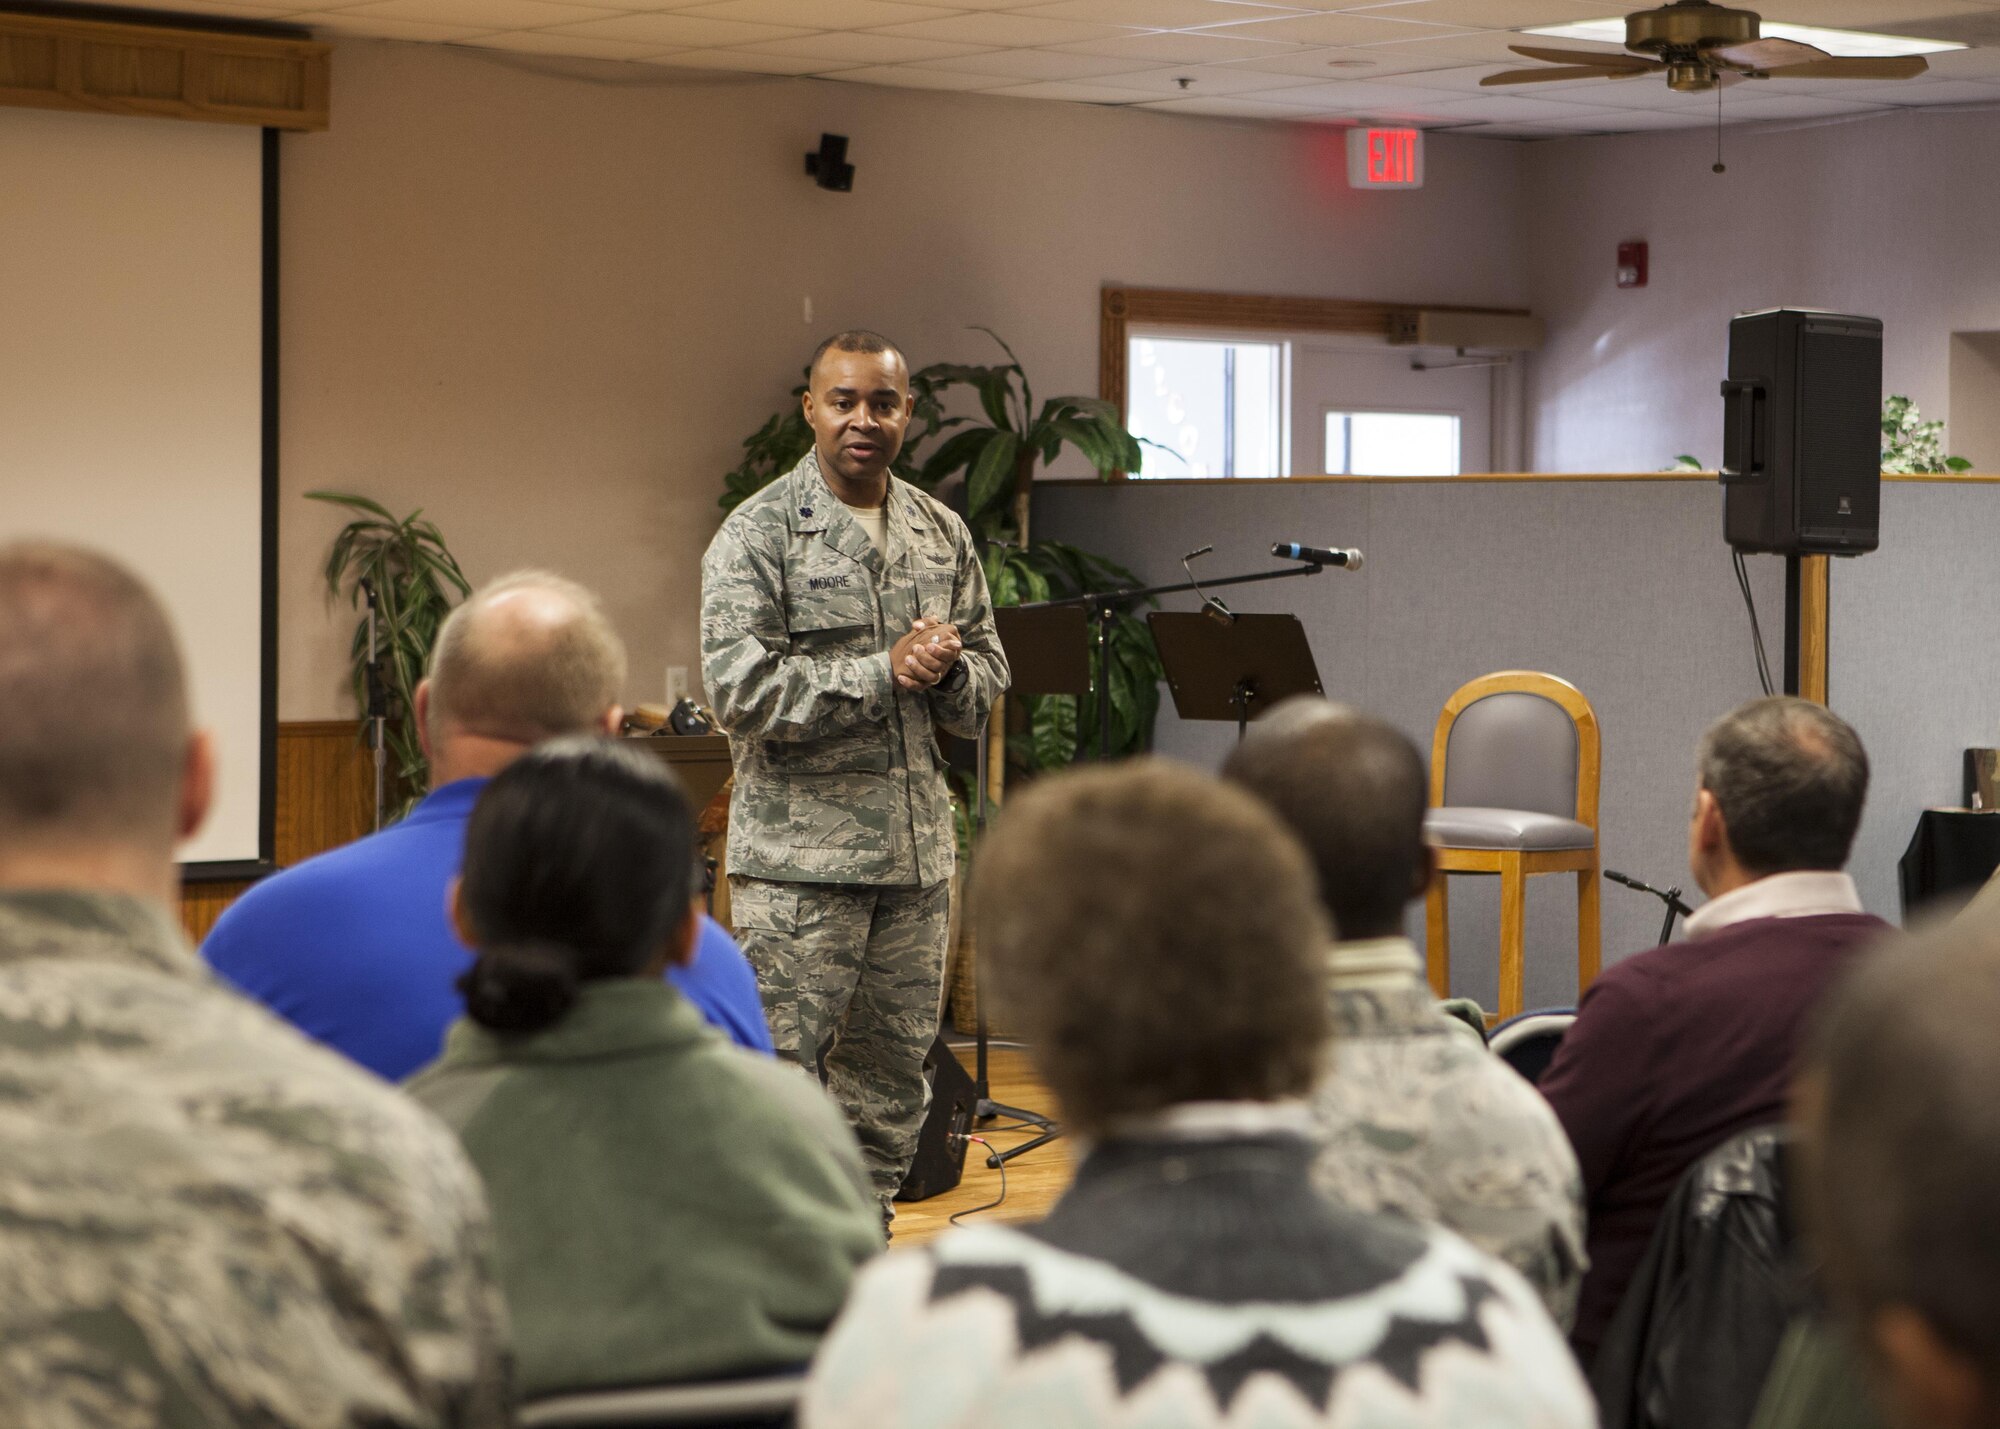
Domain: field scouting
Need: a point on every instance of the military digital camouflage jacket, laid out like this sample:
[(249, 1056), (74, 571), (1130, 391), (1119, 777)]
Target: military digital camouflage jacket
[(1419, 1119), (207, 1222), (838, 774)]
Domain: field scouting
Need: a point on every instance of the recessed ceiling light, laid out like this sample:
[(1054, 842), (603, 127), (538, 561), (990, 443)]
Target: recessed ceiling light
[(1834, 42)]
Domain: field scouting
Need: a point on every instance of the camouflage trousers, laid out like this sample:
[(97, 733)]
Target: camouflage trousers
[(850, 976)]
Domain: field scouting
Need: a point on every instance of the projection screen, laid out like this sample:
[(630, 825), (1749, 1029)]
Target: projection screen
[(134, 381)]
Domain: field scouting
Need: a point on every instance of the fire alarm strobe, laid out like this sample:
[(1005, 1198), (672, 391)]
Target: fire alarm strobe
[(1632, 265), (1385, 158)]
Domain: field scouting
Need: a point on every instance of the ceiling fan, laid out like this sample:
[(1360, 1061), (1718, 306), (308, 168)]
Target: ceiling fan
[(1698, 46)]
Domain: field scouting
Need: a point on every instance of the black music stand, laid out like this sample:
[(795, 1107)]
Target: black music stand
[(1232, 669), (1048, 653)]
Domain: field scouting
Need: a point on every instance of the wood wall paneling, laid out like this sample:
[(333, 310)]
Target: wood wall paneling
[(280, 81), (325, 798)]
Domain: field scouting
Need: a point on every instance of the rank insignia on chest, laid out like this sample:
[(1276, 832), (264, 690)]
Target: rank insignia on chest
[(825, 582)]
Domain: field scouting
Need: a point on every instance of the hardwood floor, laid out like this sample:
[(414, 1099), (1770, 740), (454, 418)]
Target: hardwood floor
[(1033, 1181)]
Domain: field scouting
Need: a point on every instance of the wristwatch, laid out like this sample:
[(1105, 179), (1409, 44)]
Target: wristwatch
[(954, 679)]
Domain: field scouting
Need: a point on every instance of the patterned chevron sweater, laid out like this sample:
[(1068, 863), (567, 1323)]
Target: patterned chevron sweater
[(1182, 1284)]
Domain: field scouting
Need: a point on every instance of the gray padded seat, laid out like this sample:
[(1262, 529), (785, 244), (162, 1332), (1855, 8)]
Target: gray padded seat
[(1512, 751), (1473, 827)]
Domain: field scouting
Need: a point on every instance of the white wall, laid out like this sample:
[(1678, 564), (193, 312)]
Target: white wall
[(547, 309), (1888, 216)]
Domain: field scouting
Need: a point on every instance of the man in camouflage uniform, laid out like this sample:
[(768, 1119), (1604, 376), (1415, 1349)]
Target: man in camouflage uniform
[(205, 1220), (1416, 1116), (844, 617)]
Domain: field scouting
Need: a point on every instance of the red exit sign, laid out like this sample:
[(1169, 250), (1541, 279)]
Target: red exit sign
[(1385, 158)]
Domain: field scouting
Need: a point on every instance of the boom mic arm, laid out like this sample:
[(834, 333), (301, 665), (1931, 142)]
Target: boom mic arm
[(1316, 555)]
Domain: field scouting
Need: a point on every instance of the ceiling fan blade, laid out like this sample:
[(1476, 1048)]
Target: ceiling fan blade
[(1553, 72), (1764, 54), (1857, 67), (1595, 59)]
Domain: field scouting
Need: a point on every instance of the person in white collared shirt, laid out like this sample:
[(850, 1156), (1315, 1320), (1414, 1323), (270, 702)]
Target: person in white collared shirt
[(1678, 1048), (1413, 1115)]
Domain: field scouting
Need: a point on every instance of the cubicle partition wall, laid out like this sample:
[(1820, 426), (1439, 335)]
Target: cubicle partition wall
[(1621, 585), (1914, 658)]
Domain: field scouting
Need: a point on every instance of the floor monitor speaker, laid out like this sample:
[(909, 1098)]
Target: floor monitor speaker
[(940, 1158), (1802, 436)]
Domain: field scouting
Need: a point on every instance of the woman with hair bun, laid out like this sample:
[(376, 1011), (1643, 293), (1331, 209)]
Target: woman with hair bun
[(666, 1207)]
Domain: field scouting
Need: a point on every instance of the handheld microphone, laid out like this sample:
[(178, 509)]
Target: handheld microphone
[(1317, 555)]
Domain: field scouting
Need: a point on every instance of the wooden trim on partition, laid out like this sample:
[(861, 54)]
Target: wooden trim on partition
[(1240, 481), (1118, 308), (162, 72), (1813, 630), (1945, 478)]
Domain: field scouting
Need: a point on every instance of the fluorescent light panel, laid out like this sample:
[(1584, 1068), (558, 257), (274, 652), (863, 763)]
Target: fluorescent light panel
[(1834, 42)]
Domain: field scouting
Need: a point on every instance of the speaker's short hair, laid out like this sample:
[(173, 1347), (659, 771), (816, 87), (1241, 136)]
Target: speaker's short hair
[(1154, 934), (857, 339), (95, 724), (1790, 779), (526, 658)]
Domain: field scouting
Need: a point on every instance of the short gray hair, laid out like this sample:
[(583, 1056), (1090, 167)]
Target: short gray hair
[(1902, 1169), (94, 742), (525, 673), (1790, 778)]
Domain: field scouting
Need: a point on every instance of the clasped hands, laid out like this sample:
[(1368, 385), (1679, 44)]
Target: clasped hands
[(924, 656)]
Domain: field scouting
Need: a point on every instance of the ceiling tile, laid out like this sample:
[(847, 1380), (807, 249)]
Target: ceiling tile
[(1493, 14), (1367, 62), (1512, 132), (1506, 108), (1020, 65), (1906, 92), (1224, 108), (1187, 47), (1466, 79), (1361, 28), (815, 14), (1358, 94), (1865, 14), (1966, 64), (915, 77), (1798, 106), (1076, 92), (324, 26), (1159, 14), (1494, 47), (990, 28), (544, 42), (1206, 81), (671, 30), (744, 61), (1639, 121), (864, 47), (489, 14)]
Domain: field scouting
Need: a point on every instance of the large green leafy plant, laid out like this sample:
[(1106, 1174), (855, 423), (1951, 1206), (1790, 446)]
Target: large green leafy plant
[(997, 453), (415, 577)]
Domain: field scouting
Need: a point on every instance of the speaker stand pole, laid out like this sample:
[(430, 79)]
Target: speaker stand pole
[(984, 1108), (1794, 618)]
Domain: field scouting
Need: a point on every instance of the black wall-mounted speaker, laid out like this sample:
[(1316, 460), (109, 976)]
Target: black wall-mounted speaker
[(1802, 435)]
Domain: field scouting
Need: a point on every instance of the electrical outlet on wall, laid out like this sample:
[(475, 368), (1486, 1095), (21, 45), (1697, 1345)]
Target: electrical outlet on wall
[(677, 684)]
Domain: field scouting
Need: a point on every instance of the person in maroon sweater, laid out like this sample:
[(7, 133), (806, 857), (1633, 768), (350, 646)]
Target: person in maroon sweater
[(1677, 1049)]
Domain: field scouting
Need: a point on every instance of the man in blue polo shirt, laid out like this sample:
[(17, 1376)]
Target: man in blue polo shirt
[(353, 947)]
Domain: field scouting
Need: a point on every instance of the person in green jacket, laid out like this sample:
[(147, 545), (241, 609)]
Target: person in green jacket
[(666, 1207)]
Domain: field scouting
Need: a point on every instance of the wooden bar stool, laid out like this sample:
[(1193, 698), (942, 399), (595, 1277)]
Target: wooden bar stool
[(1514, 775)]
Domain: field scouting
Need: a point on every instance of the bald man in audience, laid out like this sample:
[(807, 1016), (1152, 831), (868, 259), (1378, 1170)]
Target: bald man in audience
[(1676, 1049), (354, 947), (204, 1218), (1415, 1117)]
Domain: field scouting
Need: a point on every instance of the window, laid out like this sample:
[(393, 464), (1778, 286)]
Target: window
[(1212, 407), (1392, 443)]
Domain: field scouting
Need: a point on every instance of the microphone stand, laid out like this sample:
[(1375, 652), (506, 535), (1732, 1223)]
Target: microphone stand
[(1671, 897), (377, 712), (1103, 606)]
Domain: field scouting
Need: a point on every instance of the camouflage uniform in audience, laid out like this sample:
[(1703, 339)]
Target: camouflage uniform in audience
[(207, 1221), (1420, 1120), (841, 835)]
